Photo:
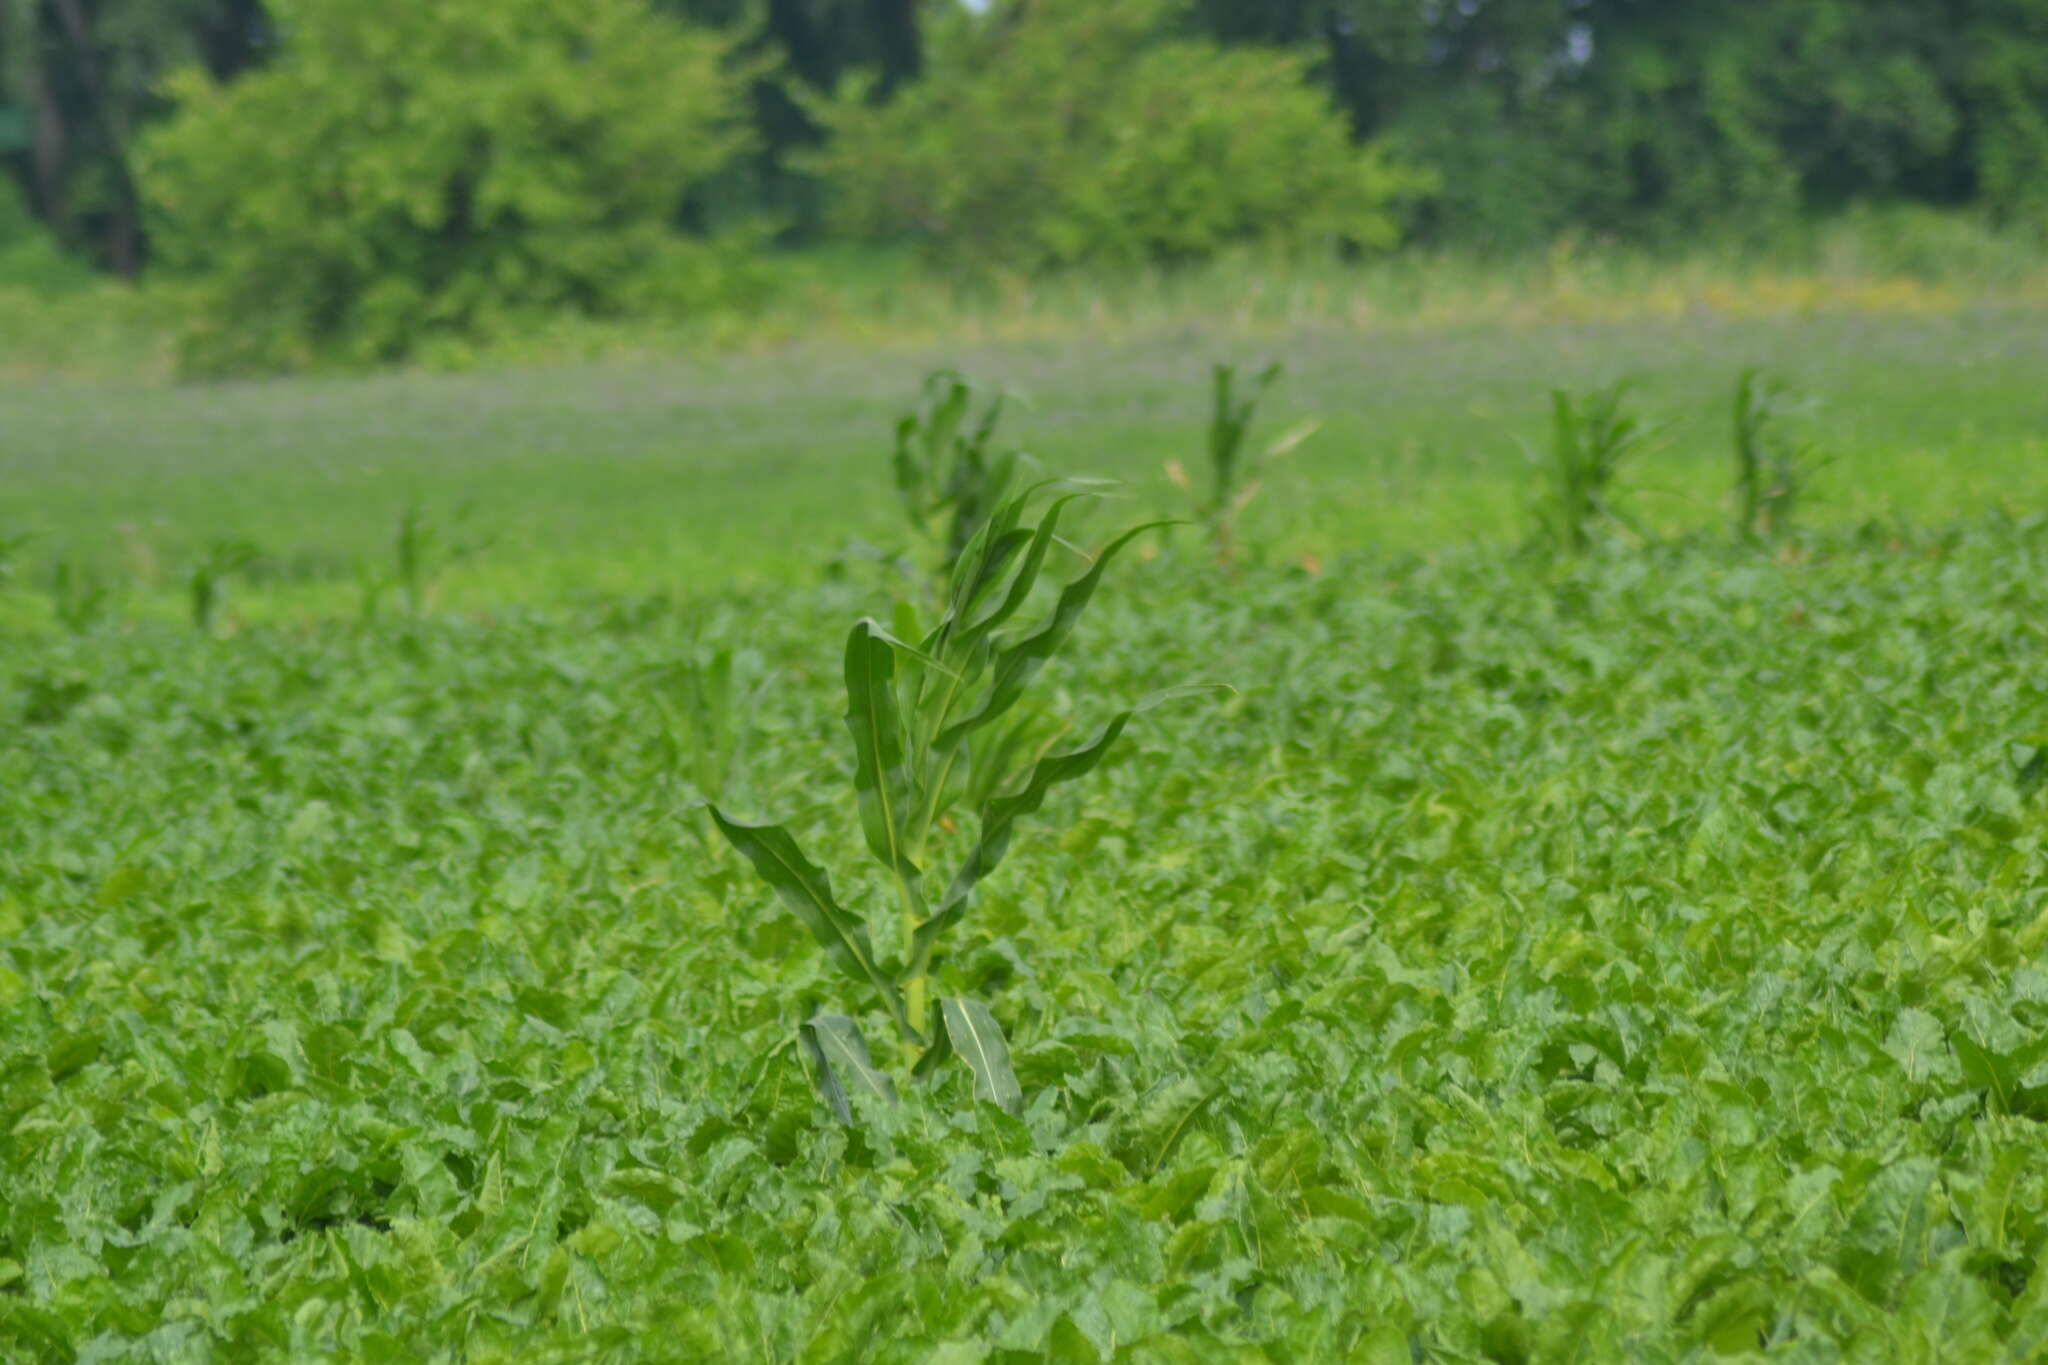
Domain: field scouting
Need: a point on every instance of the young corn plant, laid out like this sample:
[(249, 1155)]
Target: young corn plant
[(206, 586), (1592, 436), (1234, 481), (701, 718), (422, 551), (1773, 468), (948, 474), (939, 742), (10, 549)]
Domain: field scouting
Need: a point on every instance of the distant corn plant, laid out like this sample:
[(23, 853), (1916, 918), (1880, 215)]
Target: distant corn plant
[(1591, 437), (422, 551), (1773, 467), (948, 473), (79, 594), (701, 720), (935, 728), (1233, 480), (10, 550), (206, 585)]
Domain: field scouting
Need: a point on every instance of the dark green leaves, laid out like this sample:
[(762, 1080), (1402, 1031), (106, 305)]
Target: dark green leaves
[(882, 780)]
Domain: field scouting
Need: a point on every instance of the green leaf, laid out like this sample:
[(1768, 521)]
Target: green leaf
[(1987, 1070), (1016, 663), (841, 1064), (807, 891), (999, 821), (881, 776), (978, 1039)]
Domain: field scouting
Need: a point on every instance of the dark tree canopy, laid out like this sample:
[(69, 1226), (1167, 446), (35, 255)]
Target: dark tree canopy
[(1636, 118)]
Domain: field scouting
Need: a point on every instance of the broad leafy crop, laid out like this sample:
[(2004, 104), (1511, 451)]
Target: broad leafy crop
[(1637, 960), (1639, 963)]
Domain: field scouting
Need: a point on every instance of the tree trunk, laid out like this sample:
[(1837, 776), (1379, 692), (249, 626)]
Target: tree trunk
[(124, 231), (901, 47)]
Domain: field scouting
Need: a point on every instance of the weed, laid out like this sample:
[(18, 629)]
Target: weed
[(1591, 437), (423, 551), (206, 585), (1234, 481), (78, 592), (932, 730), (948, 473), (1773, 468)]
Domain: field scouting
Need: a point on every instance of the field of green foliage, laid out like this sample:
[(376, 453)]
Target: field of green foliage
[(1577, 927)]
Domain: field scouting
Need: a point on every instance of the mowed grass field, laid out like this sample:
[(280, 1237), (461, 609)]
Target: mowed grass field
[(1637, 957), (680, 475)]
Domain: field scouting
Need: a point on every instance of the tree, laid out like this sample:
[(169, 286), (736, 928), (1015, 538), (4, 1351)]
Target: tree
[(1057, 131), (404, 175)]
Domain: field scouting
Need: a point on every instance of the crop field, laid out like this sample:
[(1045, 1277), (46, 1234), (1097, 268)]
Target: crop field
[(1509, 928)]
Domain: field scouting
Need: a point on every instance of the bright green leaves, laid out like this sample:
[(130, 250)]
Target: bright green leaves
[(978, 1039), (998, 823)]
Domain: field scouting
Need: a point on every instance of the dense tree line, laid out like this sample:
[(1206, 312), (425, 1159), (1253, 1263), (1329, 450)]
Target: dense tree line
[(1024, 131), (1627, 116)]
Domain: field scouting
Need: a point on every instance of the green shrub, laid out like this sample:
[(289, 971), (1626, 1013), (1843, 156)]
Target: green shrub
[(1065, 130), (31, 260), (411, 176)]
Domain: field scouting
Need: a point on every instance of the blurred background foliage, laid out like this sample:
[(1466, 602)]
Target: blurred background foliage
[(363, 181)]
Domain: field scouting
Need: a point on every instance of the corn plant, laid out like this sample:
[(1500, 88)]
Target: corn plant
[(422, 551), (1592, 436), (1773, 468), (78, 593), (206, 585), (700, 721), (10, 547), (948, 474), (935, 729), (1234, 481)]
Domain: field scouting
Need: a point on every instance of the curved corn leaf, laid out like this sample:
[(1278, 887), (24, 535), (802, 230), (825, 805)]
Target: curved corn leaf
[(807, 891), (998, 824), (839, 1058), (881, 776), (978, 1039), (1016, 663), (1027, 573), (999, 821)]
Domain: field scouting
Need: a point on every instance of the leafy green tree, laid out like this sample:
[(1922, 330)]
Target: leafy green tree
[(405, 175), (1061, 130), (79, 79)]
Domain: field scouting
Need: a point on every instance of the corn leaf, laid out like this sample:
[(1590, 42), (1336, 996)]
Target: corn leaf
[(1016, 663), (881, 776), (807, 891), (841, 1064), (978, 1039)]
